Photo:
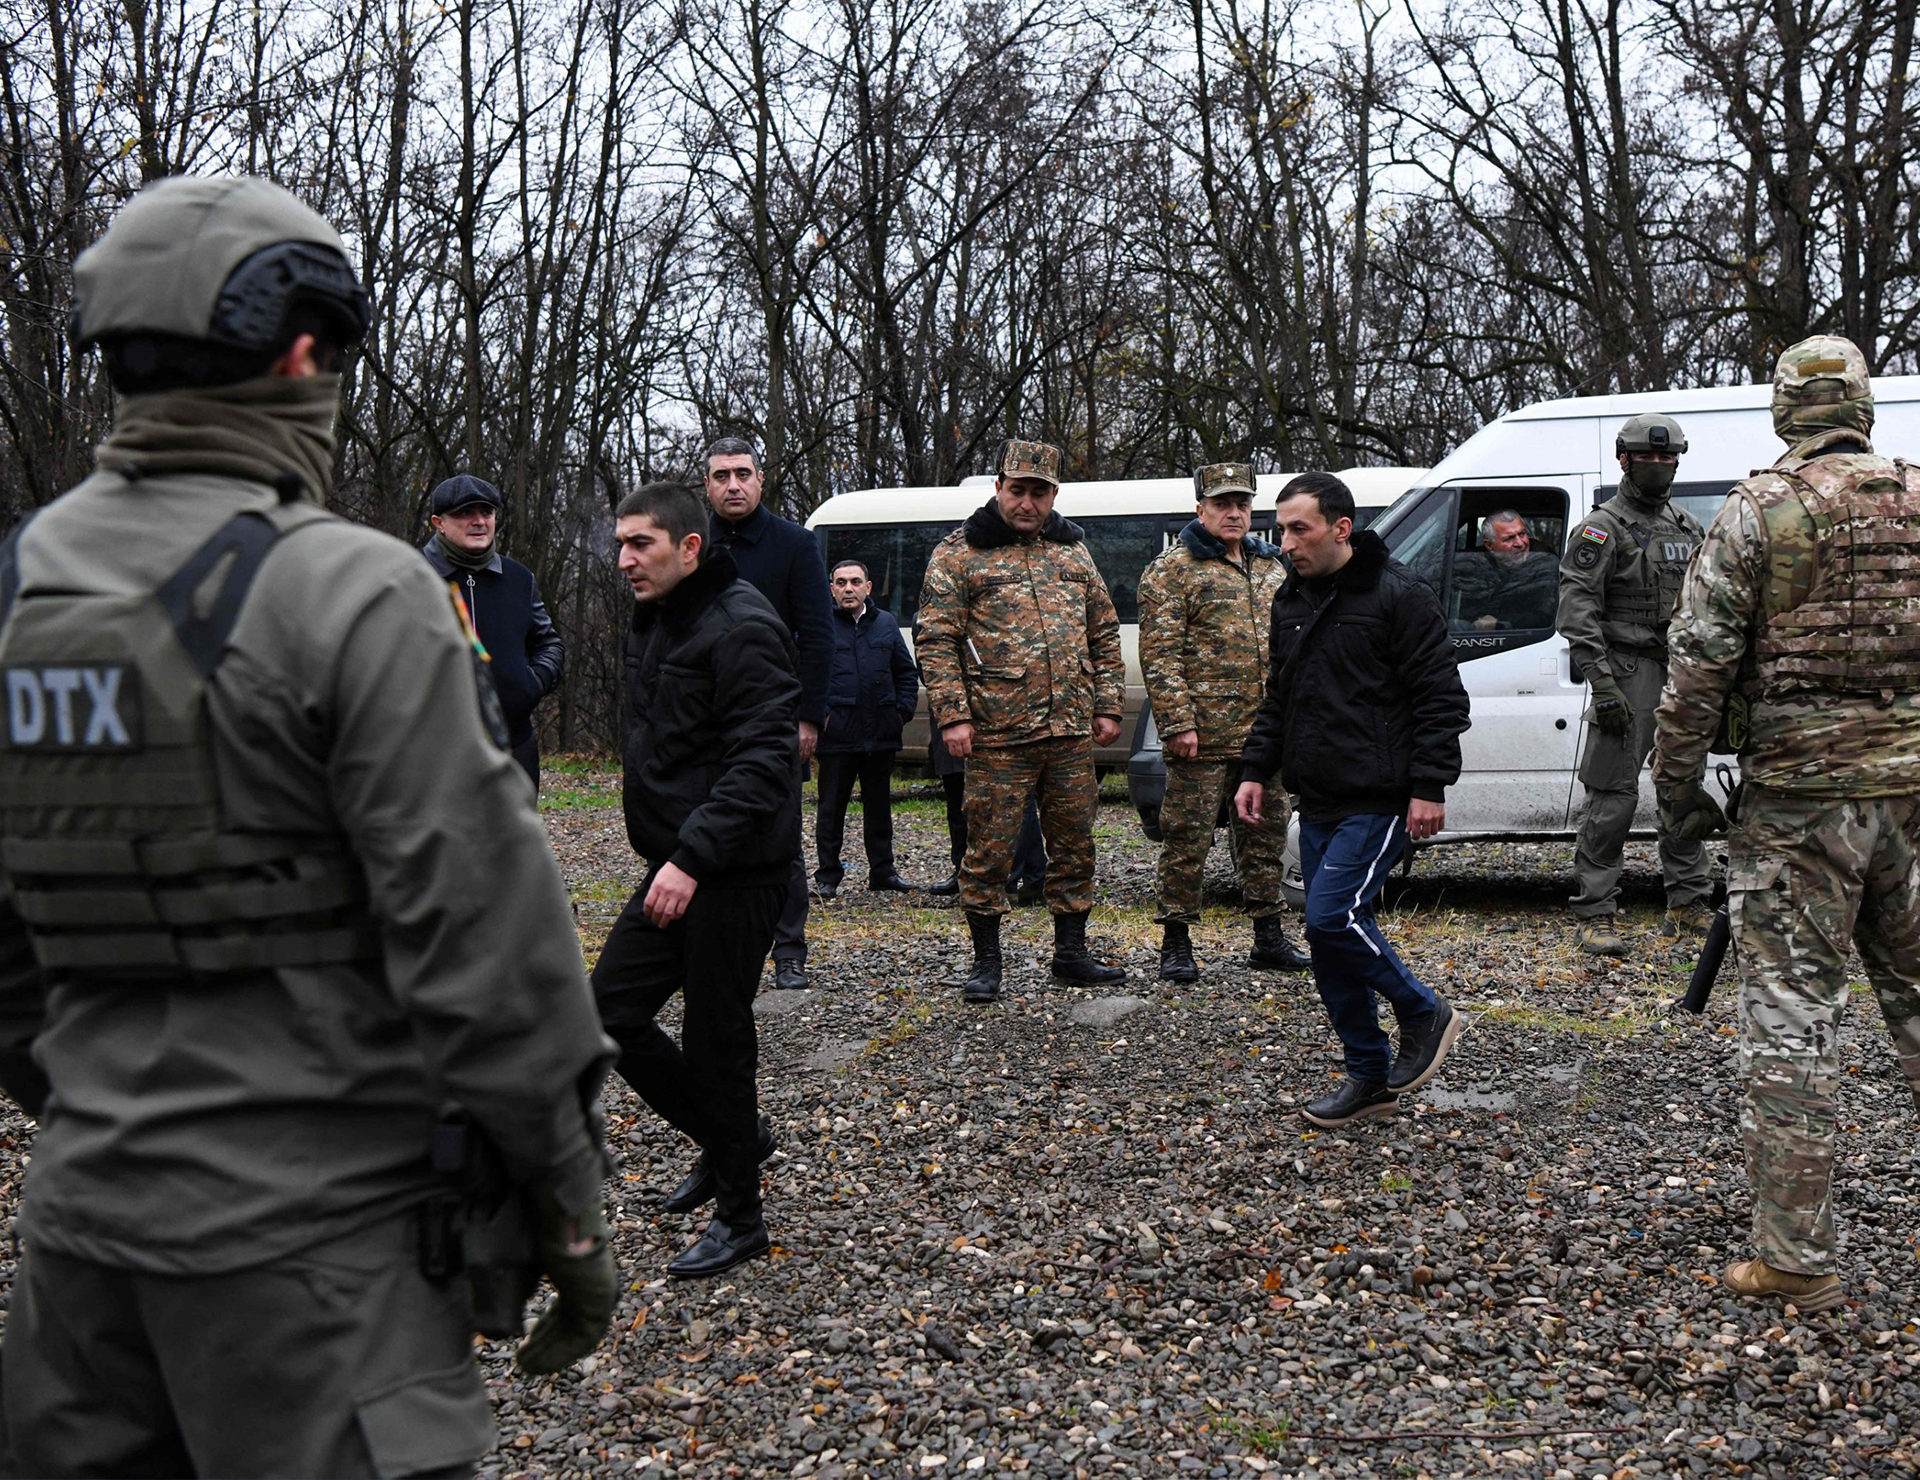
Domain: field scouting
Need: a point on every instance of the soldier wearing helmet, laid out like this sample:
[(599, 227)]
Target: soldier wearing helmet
[(250, 960), (1803, 611), (1619, 581)]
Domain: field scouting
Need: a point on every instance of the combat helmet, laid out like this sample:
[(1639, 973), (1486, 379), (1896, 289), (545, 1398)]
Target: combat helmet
[(1821, 384), (205, 280), (1650, 432)]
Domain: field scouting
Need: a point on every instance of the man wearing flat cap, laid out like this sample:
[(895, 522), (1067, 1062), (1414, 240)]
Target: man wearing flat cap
[(525, 657), (1206, 608), (1020, 651)]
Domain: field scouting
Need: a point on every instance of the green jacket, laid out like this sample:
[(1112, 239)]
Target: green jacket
[(1621, 577), (199, 1126), (1017, 634), (1204, 625)]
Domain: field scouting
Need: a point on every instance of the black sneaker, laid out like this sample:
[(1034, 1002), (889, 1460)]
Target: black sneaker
[(1356, 1099), (1425, 1042)]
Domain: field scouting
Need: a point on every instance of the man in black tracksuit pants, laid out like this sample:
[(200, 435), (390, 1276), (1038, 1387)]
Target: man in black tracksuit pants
[(1362, 719), (712, 800), (781, 560), (525, 658)]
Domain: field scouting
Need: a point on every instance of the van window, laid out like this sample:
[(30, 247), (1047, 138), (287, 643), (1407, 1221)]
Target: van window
[(1463, 542), (1702, 500), (1122, 545)]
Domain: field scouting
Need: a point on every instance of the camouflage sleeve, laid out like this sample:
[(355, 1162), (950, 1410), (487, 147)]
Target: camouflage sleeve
[(1708, 638), (1163, 622), (1103, 645), (941, 639), (1583, 585)]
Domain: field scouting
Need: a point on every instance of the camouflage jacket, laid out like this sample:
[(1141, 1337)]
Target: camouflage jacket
[(1758, 561), (1204, 623), (1621, 576), (1017, 634)]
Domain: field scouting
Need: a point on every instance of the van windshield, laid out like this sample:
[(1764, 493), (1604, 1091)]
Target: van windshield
[(896, 556)]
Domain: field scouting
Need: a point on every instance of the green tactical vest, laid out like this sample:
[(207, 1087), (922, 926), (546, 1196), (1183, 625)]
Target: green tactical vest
[(1858, 628), (110, 820)]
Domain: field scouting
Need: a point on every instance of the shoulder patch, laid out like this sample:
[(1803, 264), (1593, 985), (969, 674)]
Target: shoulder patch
[(1598, 536), (1586, 556)]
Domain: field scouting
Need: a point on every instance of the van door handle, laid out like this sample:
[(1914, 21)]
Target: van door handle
[(1559, 724)]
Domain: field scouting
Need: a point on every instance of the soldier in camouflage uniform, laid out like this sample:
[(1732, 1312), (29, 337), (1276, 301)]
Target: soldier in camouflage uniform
[(1618, 584), (1800, 625), (1020, 651), (1206, 607)]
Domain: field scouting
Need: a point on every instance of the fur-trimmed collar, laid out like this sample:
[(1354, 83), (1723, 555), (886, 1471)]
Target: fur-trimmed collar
[(1360, 573), (1204, 546), (986, 530), (697, 591)]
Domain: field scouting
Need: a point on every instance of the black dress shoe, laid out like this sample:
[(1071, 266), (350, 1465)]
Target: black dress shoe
[(1272, 949), (697, 1188), (824, 889), (1356, 1099), (1424, 1044), (891, 881), (949, 885), (790, 976), (1176, 954), (720, 1248)]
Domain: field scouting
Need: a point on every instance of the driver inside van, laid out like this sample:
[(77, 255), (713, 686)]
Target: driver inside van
[(1506, 583)]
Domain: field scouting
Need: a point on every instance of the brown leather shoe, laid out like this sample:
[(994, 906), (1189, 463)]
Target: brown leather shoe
[(1808, 1292)]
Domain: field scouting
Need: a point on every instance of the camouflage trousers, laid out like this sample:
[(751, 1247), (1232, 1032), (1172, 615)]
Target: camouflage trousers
[(1195, 790), (1806, 876), (1058, 772)]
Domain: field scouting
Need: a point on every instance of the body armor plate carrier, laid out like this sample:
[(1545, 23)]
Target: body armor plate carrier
[(1858, 629), (110, 820)]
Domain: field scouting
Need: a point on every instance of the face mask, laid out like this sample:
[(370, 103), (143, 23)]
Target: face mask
[(1651, 480)]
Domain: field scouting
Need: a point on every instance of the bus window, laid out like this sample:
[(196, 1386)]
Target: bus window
[(896, 557), (1121, 546)]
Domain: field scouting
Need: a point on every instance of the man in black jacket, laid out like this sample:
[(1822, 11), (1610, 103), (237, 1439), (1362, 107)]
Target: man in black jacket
[(713, 805), (1362, 719), (525, 657), (870, 696), (781, 560)]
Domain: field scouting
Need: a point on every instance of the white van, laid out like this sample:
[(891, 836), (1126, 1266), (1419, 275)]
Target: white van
[(1552, 463), (1127, 522)]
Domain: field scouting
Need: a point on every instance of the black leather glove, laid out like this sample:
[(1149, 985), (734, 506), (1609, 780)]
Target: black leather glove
[(1688, 813), (576, 1256), (1611, 714)]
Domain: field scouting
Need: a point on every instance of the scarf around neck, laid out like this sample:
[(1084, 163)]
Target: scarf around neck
[(464, 558), (259, 429)]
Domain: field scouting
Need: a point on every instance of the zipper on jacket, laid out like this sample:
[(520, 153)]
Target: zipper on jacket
[(473, 612)]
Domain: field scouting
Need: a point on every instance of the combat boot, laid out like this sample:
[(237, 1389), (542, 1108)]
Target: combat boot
[(1688, 919), (1176, 954), (1072, 962), (1272, 949), (1597, 937), (1808, 1292), (984, 984)]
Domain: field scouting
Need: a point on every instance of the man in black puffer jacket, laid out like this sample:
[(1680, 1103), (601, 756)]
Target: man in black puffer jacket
[(713, 805), (1362, 718), (524, 656)]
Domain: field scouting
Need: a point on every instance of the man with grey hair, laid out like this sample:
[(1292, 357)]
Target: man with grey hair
[(1505, 585), (781, 561)]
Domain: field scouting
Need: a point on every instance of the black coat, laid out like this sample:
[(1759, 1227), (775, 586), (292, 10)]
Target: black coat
[(781, 560), (525, 654), (872, 686), (712, 749), (1364, 706)]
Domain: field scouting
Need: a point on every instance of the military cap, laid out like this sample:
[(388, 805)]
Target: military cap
[(168, 266), (1821, 383), (1030, 460), (1226, 477), (461, 491), (1650, 432)]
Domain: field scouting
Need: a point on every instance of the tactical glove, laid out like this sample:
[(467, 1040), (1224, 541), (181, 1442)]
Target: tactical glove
[(1688, 813), (576, 1256), (1611, 714)]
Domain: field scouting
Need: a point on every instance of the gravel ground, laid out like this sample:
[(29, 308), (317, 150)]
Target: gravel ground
[(1088, 1234)]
